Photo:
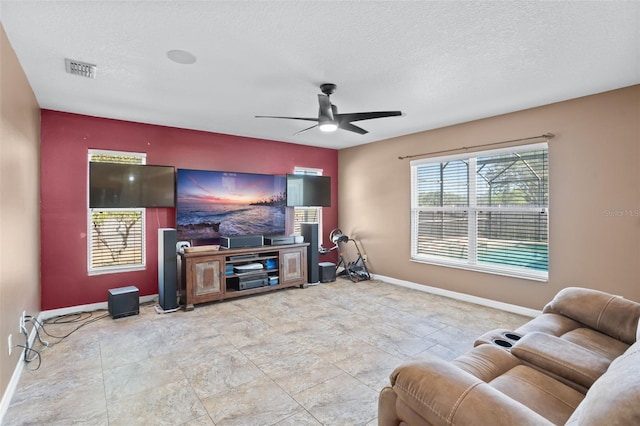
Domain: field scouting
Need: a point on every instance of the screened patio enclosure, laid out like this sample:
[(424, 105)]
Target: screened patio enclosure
[(485, 210)]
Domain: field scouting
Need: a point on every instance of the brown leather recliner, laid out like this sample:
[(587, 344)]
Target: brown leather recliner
[(577, 363)]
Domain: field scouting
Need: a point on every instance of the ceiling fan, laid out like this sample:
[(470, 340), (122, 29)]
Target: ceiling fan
[(329, 119)]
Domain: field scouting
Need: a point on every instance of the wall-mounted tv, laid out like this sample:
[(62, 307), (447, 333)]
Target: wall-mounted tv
[(308, 191), (211, 204), (113, 185)]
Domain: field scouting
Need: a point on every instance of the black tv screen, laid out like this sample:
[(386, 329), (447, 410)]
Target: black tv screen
[(113, 185), (308, 191), (211, 204)]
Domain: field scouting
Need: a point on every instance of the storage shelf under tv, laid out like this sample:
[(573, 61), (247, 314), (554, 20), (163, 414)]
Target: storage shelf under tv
[(203, 277)]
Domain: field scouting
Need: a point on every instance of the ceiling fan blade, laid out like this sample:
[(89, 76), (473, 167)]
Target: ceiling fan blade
[(304, 130), (358, 116), (345, 125), (288, 118)]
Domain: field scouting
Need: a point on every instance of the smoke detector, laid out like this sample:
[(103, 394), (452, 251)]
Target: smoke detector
[(82, 69)]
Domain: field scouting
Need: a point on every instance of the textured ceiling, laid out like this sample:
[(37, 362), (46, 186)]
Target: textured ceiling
[(441, 63)]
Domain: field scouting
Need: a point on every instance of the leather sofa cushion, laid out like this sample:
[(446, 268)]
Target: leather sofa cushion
[(443, 394), (535, 389), (486, 362), (596, 342), (549, 323), (613, 315), (614, 399), (561, 357), (541, 393)]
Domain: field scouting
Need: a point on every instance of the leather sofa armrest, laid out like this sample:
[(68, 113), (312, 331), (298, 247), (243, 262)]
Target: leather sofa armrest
[(443, 394), (387, 415), (561, 357), (612, 315)]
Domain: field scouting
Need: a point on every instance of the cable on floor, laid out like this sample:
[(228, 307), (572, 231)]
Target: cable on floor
[(80, 317)]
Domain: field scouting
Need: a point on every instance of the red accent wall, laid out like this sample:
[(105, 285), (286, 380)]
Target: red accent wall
[(65, 141)]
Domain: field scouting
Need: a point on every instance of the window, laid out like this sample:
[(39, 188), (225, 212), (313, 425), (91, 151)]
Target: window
[(116, 236), (307, 214), (485, 211)]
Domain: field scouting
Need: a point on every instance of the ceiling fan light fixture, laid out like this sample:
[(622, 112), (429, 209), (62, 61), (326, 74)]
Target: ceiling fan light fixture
[(328, 126)]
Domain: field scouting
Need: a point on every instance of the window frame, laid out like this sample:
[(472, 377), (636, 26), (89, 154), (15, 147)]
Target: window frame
[(472, 209), (91, 271)]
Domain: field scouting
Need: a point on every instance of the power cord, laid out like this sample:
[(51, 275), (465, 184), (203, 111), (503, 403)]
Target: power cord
[(80, 317), (31, 354), (84, 318), (28, 359)]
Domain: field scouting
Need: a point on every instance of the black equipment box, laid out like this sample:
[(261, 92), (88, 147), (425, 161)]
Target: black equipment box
[(327, 272), (249, 280), (124, 301), (241, 241), (278, 240)]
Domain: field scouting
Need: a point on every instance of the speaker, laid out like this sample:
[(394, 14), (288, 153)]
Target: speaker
[(310, 233), (167, 269), (123, 301), (241, 241), (327, 272), (277, 240)]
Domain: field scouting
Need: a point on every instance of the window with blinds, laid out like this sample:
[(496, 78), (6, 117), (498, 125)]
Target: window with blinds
[(116, 236), (486, 211), (305, 215)]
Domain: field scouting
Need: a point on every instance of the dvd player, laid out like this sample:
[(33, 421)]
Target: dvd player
[(249, 267)]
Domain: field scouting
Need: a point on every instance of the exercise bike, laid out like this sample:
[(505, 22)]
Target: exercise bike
[(356, 270)]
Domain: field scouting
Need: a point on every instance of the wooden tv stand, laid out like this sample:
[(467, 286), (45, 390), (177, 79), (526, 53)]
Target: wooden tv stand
[(203, 273)]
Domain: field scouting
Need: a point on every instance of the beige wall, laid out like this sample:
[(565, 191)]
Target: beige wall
[(594, 167), (19, 204)]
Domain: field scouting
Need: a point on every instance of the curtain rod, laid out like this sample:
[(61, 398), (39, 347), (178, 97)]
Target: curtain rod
[(547, 136)]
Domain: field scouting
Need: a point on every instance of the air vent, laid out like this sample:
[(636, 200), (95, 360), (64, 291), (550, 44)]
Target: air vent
[(80, 68)]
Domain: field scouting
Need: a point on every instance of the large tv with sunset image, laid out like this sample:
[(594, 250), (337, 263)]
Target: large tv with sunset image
[(211, 204)]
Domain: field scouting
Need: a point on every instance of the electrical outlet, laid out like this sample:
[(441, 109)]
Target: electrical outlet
[(23, 321), (10, 341)]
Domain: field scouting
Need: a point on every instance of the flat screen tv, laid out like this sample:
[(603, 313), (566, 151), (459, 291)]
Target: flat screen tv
[(211, 204), (113, 185), (308, 191)]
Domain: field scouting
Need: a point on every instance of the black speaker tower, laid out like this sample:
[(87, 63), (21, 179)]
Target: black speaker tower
[(167, 269), (310, 233)]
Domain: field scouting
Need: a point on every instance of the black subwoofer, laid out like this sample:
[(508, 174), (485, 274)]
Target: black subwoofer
[(327, 272), (124, 301)]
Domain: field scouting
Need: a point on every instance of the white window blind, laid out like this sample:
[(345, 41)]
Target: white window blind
[(116, 240), (484, 211), (305, 215)]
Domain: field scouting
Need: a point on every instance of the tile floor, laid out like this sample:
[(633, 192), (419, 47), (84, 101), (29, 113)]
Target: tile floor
[(314, 356)]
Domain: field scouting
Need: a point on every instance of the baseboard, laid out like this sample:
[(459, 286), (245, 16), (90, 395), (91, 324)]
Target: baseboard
[(521, 310), (15, 377), (45, 315)]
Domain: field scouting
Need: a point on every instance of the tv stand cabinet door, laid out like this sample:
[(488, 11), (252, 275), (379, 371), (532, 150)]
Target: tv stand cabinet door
[(205, 280), (293, 266)]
